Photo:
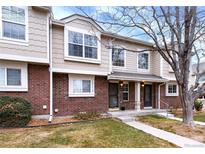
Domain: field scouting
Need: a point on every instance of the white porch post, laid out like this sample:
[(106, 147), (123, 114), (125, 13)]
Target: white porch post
[(137, 96)]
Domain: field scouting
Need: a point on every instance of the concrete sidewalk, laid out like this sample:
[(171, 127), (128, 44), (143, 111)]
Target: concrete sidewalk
[(170, 137)]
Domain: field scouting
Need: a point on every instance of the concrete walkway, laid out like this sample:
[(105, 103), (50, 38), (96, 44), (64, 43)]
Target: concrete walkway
[(170, 137)]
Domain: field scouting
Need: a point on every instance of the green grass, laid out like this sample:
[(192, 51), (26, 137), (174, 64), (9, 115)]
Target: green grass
[(100, 133)]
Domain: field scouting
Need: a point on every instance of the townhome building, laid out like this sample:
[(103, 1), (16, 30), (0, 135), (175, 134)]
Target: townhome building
[(73, 65)]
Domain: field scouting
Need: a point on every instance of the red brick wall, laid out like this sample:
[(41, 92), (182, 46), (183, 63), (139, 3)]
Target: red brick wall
[(71, 105), (38, 89), (131, 103), (173, 101)]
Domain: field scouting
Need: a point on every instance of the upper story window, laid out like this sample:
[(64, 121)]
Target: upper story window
[(118, 57), (171, 89), (143, 61), (14, 22), (83, 46)]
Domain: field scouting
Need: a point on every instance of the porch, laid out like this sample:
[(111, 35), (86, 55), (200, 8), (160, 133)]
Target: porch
[(135, 112), (136, 92)]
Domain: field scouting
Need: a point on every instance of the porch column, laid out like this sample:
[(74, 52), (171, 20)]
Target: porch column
[(137, 96)]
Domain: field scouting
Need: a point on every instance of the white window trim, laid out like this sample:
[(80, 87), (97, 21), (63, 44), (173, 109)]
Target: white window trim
[(24, 76), (12, 40), (172, 94), (120, 67), (81, 59), (72, 77), (126, 91), (141, 69)]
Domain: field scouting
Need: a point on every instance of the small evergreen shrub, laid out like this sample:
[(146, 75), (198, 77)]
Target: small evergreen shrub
[(14, 111), (87, 116), (198, 105)]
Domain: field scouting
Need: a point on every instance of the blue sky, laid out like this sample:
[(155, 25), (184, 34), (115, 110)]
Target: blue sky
[(64, 11)]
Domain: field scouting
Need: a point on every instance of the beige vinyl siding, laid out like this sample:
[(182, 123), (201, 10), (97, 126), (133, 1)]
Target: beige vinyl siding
[(131, 65), (166, 71), (58, 53), (37, 35)]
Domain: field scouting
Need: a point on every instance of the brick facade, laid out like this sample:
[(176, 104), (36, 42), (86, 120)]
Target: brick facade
[(71, 105), (173, 101), (38, 89)]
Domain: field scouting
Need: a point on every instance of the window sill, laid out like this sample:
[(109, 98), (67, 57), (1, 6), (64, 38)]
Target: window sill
[(174, 95), (13, 89), (84, 60), (82, 95), (14, 41)]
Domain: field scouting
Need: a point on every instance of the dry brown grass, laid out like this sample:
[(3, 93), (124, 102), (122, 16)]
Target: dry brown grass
[(100, 133), (197, 133)]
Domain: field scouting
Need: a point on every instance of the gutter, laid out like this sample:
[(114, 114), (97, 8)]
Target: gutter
[(50, 70)]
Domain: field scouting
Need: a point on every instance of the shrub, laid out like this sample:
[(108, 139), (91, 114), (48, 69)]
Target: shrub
[(198, 105), (14, 112), (87, 116)]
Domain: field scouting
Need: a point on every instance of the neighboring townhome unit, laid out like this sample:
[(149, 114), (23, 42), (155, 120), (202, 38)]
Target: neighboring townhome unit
[(72, 65), (24, 54)]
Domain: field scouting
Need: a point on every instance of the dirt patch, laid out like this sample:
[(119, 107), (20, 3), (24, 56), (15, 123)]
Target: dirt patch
[(57, 120)]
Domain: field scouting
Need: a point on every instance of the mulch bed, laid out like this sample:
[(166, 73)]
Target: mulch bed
[(55, 121)]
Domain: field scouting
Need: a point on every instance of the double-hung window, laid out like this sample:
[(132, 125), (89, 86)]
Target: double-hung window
[(118, 57), (143, 61), (14, 22), (171, 89), (13, 77), (81, 86), (125, 92), (82, 45)]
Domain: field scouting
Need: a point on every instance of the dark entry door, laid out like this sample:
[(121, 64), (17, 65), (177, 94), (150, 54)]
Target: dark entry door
[(113, 95), (148, 96)]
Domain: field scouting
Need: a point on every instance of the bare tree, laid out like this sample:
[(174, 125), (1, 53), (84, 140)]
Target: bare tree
[(177, 34)]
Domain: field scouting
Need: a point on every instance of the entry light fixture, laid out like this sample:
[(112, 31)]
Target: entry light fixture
[(142, 83), (121, 83)]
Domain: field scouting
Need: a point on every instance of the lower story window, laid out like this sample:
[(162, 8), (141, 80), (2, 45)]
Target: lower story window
[(81, 86), (125, 92), (13, 76), (171, 89), (10, 77)]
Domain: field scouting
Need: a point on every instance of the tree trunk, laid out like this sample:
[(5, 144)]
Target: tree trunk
[(187, 105)]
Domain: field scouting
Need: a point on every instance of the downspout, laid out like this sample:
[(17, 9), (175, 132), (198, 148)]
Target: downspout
[(51, 72)]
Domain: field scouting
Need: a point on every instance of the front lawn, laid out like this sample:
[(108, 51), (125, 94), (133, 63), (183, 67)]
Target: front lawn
[(198, 115), (173, 126), (100, 133)]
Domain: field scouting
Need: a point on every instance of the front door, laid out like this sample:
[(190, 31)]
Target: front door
[(113, 95), (147, 95)]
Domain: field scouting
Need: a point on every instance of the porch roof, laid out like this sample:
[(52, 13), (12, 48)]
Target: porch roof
[(135, 77)]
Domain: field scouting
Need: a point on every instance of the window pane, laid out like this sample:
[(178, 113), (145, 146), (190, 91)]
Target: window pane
[(172, 88), (90, 40), (77, 86), (91, 52), (2, 76), (143, 60), (118, 57), (86, 86), (75, 50), (12, 30), (125, 87), (125, 96), (13, 14), (75, 37), (13, 77)]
